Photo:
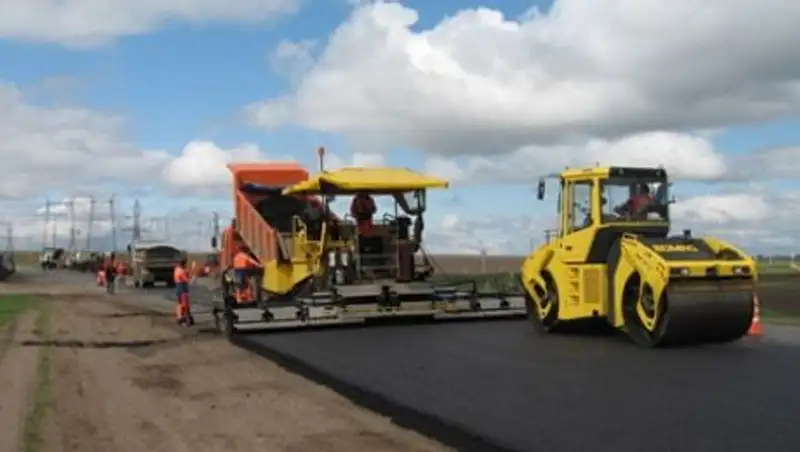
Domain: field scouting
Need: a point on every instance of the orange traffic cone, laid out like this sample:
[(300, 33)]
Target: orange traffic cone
[(755, 326)]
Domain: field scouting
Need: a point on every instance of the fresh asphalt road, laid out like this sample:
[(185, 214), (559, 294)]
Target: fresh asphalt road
[(522, 392)]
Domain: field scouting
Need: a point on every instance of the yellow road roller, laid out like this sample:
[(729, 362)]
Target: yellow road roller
[(612, 261)]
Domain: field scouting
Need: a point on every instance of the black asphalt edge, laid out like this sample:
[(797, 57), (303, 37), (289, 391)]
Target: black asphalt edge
[(434, 427)]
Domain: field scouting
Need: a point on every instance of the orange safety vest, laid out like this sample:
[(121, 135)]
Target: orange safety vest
[(243, 261), (637, 202), (180, 275)]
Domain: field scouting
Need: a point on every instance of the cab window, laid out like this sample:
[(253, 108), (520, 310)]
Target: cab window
[(623, 200), (581, 211)]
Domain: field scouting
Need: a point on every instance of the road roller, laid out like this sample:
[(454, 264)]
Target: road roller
[(612, 261)]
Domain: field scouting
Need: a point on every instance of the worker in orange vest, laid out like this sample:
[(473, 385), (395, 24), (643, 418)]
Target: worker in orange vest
[(183, 310), (242, 264), (122, 268), (362, 208), (110, 273)]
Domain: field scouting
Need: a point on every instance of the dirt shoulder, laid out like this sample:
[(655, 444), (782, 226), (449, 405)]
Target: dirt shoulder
[(127, 381), (18, 378)]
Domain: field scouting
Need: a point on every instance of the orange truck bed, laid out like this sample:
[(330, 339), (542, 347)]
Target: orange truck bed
[(253, 230)]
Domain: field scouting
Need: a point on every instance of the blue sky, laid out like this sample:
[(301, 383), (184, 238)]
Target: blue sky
[(181, 82)]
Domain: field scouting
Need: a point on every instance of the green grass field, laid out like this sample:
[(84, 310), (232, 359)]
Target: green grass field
[(777, 268), (11, 306)]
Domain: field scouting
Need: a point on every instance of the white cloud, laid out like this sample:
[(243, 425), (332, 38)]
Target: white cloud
[(684, 156), (773, 163), (738, 217), (57, 148), (724, 209), (481, 83), (760, 220), (334, 160), (293, 59), (93, 22), (202, 164), (496, 235), (75, 151)]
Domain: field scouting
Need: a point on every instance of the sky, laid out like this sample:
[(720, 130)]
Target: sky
[(150, 99)]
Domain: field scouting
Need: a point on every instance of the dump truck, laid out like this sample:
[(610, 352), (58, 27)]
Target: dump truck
[(8, 264), (613, 261), (317, 269), (51, 258), (153, 262)]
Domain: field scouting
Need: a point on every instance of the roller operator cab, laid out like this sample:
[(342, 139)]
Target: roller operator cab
[(612, 259)]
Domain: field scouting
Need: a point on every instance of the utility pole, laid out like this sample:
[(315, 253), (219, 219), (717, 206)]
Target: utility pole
[(10, 242), (215, 226), (46, 222), (90, 224), (113, 213), (137, 221), (72, 231), (483, 257), (135, 224), (55, 230)]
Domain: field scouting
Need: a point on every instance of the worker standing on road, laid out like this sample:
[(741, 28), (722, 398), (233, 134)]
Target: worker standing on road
[(183, 309), (110, 272), (362, 208), (242, 264), (122, 270)]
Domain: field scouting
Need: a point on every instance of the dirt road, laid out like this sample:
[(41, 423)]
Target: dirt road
[(18, 369), (125, 381)]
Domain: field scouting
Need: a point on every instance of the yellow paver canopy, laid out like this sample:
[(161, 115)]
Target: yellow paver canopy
[(373, 180)]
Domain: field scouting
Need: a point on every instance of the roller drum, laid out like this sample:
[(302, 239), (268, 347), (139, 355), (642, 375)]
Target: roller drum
[(699, 312)]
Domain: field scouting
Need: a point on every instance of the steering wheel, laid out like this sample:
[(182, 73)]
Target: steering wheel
[(387, 218)]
